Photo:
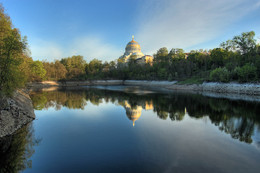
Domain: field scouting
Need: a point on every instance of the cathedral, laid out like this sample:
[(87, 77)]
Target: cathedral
[(133, 50)]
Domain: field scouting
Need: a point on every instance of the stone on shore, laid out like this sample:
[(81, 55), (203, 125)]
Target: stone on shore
[(15, 112)]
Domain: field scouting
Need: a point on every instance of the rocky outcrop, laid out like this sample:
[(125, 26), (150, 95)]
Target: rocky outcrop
[(15, 112)]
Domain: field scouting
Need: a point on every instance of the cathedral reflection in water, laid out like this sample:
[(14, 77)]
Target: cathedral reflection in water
[(134, 112)]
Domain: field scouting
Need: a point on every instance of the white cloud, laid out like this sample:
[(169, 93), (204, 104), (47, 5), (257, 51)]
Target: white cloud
[(258, 4), (94, 47), (45, 50), (89, 47), (186, 23)]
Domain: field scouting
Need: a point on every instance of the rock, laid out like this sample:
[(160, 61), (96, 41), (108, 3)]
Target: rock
[(15, 112), (3, 103)]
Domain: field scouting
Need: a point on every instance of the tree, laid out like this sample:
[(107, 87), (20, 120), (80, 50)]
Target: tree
[(244, 43), (12, 47), (95, 66), (37, 71), (246, 73), (220, 75), (55, 71), (162, 52), (5, 27), (75, 66), (25, 67), (176, 53), (228, 45), (218, 56), (60, 70)]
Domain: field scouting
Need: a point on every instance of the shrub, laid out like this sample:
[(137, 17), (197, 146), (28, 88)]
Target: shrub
[(220, 75), (246, 73), (257, 64)]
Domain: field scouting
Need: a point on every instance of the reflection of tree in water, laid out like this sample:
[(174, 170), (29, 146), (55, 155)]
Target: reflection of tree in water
[(177, 116), (57, 99), (239, 128), (16, 150), (237, 118)]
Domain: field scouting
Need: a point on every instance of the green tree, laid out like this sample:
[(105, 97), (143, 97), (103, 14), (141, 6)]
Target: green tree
[(60, 70), (161, 55), (10, 59), (244, 43), (229, 45), (37, 71), (246, 73), (162, 52), (176, 53), (220, 75), (12, 48), (75, 66), (218, 57)]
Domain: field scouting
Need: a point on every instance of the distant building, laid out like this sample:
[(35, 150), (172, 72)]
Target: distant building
[(133, 50), (146, 59)]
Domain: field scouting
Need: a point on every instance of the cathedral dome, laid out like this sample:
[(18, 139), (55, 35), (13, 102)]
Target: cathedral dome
[(132, 47)]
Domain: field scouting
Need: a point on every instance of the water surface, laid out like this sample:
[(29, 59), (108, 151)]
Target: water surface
[(131, 129)]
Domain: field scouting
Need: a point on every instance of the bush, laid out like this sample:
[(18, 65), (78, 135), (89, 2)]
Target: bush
[(257, 64), (246, 73), (220, 75)]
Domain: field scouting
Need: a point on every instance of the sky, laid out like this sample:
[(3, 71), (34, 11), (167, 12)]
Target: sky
[(101, 28)]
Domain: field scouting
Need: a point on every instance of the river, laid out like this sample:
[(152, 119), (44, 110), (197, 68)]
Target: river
[(133, 129)]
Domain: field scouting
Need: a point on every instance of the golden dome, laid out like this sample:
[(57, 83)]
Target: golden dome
[(133, 46), (132, 49)]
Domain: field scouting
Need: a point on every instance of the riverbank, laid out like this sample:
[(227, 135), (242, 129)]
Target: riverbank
[(18, 110), (228, 88), (53, 84), (15, 112)]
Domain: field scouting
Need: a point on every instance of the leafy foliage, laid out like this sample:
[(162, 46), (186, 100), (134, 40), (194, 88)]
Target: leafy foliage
[(246, 73), (37, 71), (11, 52), (219, 74)]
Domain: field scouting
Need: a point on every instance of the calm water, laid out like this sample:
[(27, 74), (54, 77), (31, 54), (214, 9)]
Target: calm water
[(128, 129)]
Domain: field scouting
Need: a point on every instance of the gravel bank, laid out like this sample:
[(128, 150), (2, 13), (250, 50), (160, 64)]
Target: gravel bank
[(234, 88), (209, 87)]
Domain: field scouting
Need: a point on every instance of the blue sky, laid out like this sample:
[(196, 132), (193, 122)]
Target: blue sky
[(102, 28)]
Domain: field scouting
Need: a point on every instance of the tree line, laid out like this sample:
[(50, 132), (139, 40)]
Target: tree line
[(237, 59)]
